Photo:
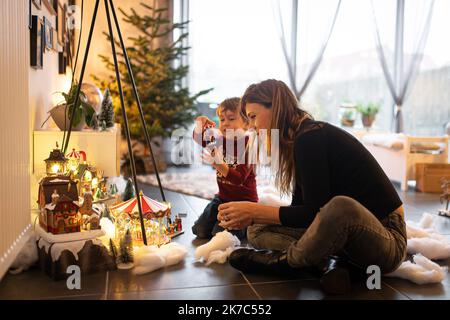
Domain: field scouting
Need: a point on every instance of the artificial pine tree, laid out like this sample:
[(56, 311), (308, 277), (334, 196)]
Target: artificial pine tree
[(126, 256), (112, 189), (99, 194), (155, 58), (106, 116), (129, 191)]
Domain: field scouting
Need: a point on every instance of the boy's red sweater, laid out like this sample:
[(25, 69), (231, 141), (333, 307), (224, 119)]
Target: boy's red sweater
[(240, 182)]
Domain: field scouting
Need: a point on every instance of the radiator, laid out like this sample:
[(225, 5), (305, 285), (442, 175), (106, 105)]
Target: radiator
[(15, 130)]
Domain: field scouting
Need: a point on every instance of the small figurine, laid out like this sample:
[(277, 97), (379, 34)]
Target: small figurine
[(445, 196), (178, 223)]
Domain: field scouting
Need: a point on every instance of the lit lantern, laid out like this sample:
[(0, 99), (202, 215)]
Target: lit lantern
[(56, 163)]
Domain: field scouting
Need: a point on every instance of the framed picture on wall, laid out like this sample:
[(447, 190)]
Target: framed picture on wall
[(36, 43), (30, 14), (48, 34), (54, 39), (62, 62), (60, 21), (49, 5), (37, 3)]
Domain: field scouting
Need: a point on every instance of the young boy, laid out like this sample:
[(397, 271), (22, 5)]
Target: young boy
[(235, 178)]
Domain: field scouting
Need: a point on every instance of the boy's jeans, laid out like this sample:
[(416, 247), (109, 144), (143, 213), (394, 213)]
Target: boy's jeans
[(343, 227), (207, 225)]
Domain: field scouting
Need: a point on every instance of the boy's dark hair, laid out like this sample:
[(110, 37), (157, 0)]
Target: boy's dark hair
[(233, 105)]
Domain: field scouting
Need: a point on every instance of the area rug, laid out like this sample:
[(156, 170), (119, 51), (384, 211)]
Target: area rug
[(203, 184)]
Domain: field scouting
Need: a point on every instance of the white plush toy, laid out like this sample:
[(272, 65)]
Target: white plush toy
[(222, 241)]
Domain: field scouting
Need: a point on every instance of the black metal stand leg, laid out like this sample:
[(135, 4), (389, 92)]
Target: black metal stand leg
[(65, 143), (136, 95), (125, 118)]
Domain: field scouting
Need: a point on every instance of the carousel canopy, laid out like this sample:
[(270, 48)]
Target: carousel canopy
[(150, 208)]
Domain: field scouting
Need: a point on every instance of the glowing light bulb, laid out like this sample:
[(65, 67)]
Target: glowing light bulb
[(94, 183), (88, 175), (56, 168)]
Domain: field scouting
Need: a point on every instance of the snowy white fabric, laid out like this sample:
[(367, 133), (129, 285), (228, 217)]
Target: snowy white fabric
[(424, 243), (219, 256), (222, 241), (27, 256), (151, 258), (421, 271), (424, 239), (72, 246), (108, 227), (120, 183)]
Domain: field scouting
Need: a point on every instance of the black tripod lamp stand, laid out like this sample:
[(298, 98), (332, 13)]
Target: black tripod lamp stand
[(122, 101)]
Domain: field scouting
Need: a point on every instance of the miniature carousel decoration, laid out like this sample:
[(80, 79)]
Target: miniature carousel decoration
[(158, 226)]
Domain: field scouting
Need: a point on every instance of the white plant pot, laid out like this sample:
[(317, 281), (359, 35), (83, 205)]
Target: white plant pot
[(57, 114)]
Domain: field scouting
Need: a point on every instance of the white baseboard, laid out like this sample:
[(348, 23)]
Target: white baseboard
[(7, 258)]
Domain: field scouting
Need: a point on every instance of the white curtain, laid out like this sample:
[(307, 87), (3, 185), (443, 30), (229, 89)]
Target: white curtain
[(299, 33), (398, 78)]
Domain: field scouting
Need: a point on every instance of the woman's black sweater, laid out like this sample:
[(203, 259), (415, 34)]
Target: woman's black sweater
[(331, 162)]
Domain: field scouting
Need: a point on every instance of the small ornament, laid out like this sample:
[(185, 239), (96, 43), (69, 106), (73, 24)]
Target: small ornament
[(129, 191)]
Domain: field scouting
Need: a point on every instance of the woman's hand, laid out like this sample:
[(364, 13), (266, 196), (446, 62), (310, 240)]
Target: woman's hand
[(236, 215)]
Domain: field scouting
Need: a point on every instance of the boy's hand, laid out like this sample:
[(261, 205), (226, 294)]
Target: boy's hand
[(212, 157)]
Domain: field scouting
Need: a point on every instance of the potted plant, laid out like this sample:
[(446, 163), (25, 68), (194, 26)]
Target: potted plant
[(368, 112), (347, 114), (84, 112)]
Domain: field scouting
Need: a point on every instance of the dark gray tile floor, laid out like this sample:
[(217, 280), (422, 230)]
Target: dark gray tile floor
[(193, 280)]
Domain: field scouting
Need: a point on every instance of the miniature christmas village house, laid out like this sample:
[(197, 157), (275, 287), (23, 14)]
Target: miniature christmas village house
[(58, 205)]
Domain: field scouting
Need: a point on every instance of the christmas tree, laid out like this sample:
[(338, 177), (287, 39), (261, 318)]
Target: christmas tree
[(126, 249), (156, 64), (112, 189), (106, 116), (129, 191), (99, 194)]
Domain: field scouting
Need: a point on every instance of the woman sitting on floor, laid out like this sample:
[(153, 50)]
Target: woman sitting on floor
[(344, 209)]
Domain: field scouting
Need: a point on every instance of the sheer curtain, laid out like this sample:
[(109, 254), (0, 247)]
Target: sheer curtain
[(398, 78), (307, 22)]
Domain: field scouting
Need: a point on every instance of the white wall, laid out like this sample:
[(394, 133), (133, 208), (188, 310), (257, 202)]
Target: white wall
[(44, 82)]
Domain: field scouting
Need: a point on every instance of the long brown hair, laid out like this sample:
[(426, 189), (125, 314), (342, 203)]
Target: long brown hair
[(286, 116)]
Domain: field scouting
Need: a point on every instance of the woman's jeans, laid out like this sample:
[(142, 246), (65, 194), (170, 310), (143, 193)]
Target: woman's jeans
[(343, 227)]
